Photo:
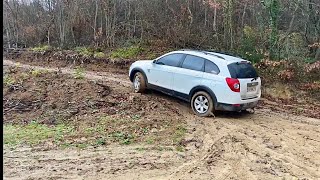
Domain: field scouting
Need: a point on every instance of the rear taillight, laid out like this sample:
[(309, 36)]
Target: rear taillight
[(233, 84)]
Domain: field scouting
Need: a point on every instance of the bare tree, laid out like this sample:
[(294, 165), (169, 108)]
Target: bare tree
[(214, 24)]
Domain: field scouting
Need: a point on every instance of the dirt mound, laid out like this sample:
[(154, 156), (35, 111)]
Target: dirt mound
[(64, 96), (66, 58), (49, 95), (53, 98)]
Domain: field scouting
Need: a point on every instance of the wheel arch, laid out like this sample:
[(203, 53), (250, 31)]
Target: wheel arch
[(205, 89), (134, 71)]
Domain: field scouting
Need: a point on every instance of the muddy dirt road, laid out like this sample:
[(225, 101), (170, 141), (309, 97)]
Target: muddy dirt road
[(264, 145)]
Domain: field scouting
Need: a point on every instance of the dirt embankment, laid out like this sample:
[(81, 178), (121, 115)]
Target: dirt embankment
[(168, 142), (285, 87), (71, 59), (67, 97)]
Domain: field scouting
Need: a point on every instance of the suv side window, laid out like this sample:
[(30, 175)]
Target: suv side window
[(171, 60), (193, 63), (211, 67)]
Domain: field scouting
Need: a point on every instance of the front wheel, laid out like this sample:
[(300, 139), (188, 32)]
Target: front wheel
[(139, 83), (202, 104)]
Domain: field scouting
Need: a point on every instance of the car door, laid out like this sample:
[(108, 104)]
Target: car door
[(160, 74), (188, 76)]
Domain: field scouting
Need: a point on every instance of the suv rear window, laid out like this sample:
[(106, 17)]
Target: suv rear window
[(242, 70)]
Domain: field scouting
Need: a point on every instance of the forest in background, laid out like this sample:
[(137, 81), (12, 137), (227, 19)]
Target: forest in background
[(254, 29)]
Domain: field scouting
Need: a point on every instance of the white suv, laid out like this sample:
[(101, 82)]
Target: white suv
[(208, 80)]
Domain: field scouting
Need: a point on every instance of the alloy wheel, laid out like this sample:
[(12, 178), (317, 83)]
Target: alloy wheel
[(201, 104)]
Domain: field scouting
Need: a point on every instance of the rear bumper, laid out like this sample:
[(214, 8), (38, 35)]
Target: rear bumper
[(238, 107)]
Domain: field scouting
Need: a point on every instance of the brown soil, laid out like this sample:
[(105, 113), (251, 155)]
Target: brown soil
[(71, 59), (266, 145), (56, 96)]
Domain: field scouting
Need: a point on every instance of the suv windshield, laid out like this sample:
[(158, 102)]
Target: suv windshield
[(242, 70)]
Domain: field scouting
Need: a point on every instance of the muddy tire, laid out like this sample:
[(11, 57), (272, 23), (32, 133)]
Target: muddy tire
[(139, 83), (202, 104)]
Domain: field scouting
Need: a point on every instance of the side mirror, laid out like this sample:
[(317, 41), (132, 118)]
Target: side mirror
[(154, 61)]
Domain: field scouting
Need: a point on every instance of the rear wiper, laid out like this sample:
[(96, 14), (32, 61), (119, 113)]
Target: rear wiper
[(254, 79)]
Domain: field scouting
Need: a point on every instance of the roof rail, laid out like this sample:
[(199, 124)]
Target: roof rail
[(225, 53), (205, 52), (211, 53), (188, 50)]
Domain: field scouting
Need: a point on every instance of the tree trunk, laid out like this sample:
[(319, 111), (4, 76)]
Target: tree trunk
[(48, 37), (95, 22), (244, 14), (289, 30), (114, 23), (215, 18), (61, 24), (317, 57)]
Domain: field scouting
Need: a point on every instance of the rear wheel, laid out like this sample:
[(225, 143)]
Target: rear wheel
[(139, 83), (202, 104)]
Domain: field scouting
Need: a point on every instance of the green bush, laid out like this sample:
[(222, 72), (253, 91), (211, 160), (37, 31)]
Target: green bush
[(79, 73), (127, 53), (99, 55), (310, 60), (41, 48), (83, 51), (36, 72), (151, 56), (8, 81), (293, 46), (248, 48)]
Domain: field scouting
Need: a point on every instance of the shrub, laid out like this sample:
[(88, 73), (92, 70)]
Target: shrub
[(79, 73), (312, 71), (8, 81), (286, 75), (314, 67), (151, 56), (293, 46), (99, 55), (36, 72), (41, 48), (295, 71), (83, 51), (127, 53), (248, 48)]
